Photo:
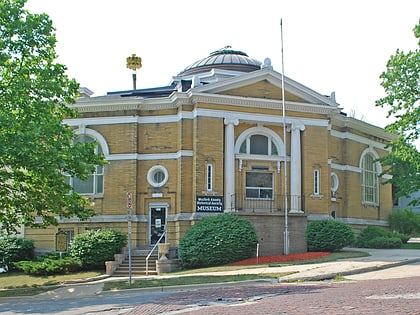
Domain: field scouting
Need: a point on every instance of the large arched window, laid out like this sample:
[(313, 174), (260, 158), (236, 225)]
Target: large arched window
[(259, 141), (370, 182), (94, 185)]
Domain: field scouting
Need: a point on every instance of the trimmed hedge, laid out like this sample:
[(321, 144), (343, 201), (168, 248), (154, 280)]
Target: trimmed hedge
[(328, 236), (377, 237), (217, 240), (15, 249), (93, 248), (49, 265), (385, 242)]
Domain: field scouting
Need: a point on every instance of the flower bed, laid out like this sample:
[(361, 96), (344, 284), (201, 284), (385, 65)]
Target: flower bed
[(279, 258)]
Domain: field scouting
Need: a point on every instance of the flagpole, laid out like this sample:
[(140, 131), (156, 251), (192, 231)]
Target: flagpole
[(286, 223)]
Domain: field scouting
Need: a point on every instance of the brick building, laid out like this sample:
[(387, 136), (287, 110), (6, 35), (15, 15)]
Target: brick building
[(213, 142)]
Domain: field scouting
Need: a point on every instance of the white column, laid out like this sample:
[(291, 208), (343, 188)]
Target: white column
[(296, 168), (229, 161)]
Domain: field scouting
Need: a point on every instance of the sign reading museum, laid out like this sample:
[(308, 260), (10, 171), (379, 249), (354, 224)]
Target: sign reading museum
[(209, 204)]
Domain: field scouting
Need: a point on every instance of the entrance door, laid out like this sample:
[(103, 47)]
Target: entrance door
[(157, 223)]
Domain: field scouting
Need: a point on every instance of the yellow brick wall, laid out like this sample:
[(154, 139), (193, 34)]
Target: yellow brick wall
[(314, 142), (208, 148), (158, 138), (120, 138), (119, 178)]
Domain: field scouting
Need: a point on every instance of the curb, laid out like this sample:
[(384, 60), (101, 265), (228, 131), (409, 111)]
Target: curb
[(191, 287), (82, 281)]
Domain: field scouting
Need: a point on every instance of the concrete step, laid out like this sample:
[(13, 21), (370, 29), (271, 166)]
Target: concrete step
[(138, 265)]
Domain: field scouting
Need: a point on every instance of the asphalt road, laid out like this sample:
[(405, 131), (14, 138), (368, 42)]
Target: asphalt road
[(390, 291)]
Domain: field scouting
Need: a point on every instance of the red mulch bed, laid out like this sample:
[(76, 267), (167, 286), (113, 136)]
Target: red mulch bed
[(279, 258)]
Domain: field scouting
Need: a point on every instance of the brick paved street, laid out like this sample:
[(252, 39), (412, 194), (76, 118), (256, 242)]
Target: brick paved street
[(394, 296)]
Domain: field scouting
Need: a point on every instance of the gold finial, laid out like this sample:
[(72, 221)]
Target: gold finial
[(133, 62)]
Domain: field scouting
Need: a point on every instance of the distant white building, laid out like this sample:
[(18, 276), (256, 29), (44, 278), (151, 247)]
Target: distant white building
[(403, 202)]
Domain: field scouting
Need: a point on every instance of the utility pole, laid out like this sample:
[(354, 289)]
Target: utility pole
[(286, 223)]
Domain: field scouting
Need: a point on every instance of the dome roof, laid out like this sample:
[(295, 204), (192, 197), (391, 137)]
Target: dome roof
[(226, 59)]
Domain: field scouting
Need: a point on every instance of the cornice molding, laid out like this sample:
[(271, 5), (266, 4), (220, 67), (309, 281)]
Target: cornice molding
[(360, 139), (349, 122), (249, 102), (113, 103)]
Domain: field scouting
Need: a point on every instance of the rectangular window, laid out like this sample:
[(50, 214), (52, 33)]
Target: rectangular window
[(93, 185), (259, 185), (209, 177), (316, 182)]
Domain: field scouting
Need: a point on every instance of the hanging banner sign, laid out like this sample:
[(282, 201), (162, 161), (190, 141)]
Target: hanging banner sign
[(209, 204)]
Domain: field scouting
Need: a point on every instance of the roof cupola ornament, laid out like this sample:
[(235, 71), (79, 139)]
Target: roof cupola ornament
[(267, 64)]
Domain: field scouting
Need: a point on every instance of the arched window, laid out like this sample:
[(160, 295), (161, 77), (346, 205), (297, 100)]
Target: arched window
[(258, 144), (259, 141), (370, 183), (94, 185)]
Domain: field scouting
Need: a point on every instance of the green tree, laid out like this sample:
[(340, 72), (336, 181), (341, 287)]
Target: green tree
[(36, 148), (401, 82)]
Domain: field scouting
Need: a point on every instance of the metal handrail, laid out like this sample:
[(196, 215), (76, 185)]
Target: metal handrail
[(151, 252)]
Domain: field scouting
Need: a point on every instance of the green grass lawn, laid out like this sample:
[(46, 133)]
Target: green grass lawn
[(411, 246), (18, 283)]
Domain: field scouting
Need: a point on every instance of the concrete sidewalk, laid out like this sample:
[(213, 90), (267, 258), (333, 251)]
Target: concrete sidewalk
[(379, 259)]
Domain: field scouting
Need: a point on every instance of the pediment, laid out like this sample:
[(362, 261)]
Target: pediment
[(266, 84)]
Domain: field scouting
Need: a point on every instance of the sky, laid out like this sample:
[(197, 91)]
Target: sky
[(328, 46)]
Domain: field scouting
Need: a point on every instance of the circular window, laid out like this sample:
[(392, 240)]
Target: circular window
[(157, 176), (334, 182)]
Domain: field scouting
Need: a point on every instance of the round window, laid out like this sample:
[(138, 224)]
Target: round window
[(157, 176)]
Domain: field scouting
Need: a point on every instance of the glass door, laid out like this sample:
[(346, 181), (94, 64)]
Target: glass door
[(157, 224)]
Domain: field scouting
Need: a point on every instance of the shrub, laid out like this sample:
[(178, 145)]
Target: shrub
[(369, 233), (385, 242), (15, 249), (94, 247), (217, 240), (49, 265), (403, 237), (328, 235), (405, 221)]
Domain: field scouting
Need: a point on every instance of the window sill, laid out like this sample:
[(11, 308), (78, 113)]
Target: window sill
[(209, 192), (91, 196), (370, 204), (316, 196)]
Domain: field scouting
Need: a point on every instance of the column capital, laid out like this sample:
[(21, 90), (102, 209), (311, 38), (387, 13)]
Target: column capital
[(231, 121), (297, 126)]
